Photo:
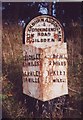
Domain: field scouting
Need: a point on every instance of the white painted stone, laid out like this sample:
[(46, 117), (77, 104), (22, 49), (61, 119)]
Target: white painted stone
[(45, 67)]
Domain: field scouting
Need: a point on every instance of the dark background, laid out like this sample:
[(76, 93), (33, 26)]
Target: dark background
[(14, 18), (65, 12)]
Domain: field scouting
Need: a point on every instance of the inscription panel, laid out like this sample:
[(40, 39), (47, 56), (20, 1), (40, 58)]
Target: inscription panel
[(44, 59)]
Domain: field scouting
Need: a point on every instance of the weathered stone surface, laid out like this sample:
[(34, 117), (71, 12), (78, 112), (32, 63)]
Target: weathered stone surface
[(45, 59)]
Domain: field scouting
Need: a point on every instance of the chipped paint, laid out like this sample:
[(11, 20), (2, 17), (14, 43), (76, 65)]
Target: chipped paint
[(45, 59)]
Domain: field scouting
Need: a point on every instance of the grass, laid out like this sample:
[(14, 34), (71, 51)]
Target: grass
[(17, 105)]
